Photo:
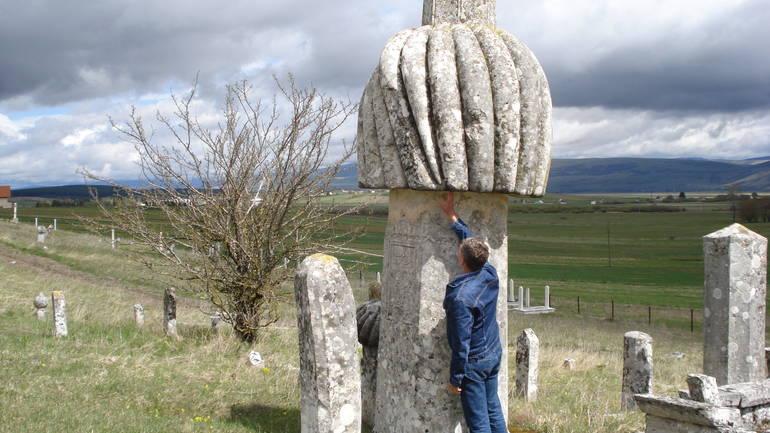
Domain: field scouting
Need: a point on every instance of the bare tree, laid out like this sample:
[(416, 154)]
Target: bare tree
[(241, 199)]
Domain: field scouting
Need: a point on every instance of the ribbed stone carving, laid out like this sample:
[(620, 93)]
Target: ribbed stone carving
[(456, 106)]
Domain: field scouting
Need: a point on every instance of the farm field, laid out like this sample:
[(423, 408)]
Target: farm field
[(108, 376), (631, 258)]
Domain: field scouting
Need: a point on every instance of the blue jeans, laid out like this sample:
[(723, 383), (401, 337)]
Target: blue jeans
[(481, 405)]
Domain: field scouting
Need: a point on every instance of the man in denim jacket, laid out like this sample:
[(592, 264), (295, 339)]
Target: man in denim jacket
[(474, 336)]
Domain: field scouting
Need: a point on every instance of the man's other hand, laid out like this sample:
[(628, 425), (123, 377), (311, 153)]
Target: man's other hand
[(448, 206), (454, 390)]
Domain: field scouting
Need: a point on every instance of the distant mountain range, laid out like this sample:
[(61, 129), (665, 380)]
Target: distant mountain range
[(575, 176)]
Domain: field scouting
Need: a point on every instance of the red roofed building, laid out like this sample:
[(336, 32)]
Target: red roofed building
[(5, 196)]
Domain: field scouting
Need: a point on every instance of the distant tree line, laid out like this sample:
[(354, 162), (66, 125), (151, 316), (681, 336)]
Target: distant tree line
[(754, 210)]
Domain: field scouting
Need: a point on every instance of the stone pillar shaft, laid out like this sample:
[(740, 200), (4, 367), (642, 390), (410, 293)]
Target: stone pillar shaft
[(169, 313), (330, 375), (420, 260), (637, 368), (458, 11), (734, 305), (59, 314), (527, 365)]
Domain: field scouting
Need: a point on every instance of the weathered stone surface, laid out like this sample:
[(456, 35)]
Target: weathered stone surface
[(447, 108), (569, 364), (368, 321), (475, 116), (404, 129), (392, 171), (420, 259), (507, 107), (59, 314), (458, 11), (329, 369), (527, 365), (703, 388), (637, 368), (40, 303), (688, 411), (414, 69), (734, 305), (478, 109), (139, 315), (169, 313), (662, 425), (368, 141), (751, 394), (42, 232), (536, 106)]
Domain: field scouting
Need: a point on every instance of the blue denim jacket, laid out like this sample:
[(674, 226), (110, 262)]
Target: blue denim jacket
[(471, 308)]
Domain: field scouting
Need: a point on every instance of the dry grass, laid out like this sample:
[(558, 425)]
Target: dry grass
[(109, 376)]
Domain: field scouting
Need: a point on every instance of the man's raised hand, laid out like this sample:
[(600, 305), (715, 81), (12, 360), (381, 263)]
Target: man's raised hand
[(448, 206)]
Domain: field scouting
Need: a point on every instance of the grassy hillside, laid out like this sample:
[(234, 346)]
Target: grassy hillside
[(108, 376)]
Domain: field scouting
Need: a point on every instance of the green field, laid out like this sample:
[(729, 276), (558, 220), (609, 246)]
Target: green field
[(612, 254), (110, 377)]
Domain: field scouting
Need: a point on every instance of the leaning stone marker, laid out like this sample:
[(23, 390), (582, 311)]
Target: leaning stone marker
[(455, 105), (527, 365), (169, 313), (59, 314), (704, 389), (734, 305), (637, 368), (41, 303), (330, 376)]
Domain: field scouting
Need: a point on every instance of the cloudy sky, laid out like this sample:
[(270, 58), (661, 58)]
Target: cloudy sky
[(653, 78)]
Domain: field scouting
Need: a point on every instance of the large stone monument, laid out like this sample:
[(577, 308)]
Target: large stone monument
[(330, 380), (454, 105), (735, 261)]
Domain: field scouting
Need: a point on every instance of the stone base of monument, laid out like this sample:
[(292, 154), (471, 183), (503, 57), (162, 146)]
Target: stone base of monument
[(532, 310), (737, 408)]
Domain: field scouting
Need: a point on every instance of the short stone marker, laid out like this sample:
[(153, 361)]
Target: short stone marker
[(42, 232), (527, 368), (59, 314), (139, 315), (703, 389), (41, 303), (735, 266), (368, 320), (637, 368), (15, 218), (330, 375), (216, 318), (169, 313), (569, 364)]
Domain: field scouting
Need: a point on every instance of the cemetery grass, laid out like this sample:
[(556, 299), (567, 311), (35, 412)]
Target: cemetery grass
[(108, 376)]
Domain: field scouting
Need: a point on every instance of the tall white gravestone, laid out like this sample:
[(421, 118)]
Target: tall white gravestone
[(637, 368), (734, 305), (169, 313), (454, 105), (330, 375), (15, 218)]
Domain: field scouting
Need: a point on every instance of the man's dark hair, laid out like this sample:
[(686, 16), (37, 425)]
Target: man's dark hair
[(475, 253)]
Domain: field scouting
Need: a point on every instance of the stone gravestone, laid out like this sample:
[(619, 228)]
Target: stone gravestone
[(42, 232), (330, 376), (637, 368), (139, 315), (735, 266), (216, 318), (15, 218), (455, 105), (527, 365), (59, 314), (368, 321), (169, 313), (41, 303)]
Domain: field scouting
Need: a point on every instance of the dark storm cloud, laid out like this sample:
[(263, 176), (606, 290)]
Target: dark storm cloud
[(58, 52)]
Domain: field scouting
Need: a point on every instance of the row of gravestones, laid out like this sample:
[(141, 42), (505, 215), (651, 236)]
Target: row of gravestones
[(734, 349), (169, 313)]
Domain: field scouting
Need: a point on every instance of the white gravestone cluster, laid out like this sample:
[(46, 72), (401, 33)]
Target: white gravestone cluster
[(330, 375)]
